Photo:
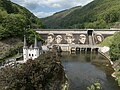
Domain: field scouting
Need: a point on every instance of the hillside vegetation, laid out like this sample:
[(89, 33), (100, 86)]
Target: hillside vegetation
[(43, 73), (115, 47), (97, 14), (107, 41), (15, 21)]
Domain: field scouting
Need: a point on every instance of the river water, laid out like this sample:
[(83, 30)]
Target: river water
[(85, 69)]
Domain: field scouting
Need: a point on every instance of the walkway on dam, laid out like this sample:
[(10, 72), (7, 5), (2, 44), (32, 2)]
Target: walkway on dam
[(76, 31)]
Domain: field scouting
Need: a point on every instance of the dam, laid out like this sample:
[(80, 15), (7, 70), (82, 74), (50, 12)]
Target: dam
[(75, 39)]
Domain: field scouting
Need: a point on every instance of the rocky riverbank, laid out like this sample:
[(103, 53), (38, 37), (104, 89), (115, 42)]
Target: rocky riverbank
[(116, 74), (115, 66)]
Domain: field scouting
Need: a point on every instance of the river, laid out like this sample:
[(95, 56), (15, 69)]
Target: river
[(85, 69)]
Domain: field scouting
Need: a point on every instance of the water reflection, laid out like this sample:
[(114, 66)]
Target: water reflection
[(84, 69)]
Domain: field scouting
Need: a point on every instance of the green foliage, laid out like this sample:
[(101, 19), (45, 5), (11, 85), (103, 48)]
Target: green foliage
[(15, 22), (14, 19), (118, 79), (115, 47), (30, 34), (7, 6), (107, 41), (116, 74), (44, 73), (95, 86), (97, 14), (92, 87)]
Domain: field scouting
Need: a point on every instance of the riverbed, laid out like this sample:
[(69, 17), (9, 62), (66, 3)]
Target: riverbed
[(84, 69)]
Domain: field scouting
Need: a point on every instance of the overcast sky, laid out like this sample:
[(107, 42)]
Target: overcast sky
[(44, 8)]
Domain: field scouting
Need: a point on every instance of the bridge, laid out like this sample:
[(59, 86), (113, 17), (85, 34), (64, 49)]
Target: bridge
[(75, 39)]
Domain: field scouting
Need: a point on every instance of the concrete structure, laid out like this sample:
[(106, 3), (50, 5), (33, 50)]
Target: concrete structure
[(75, 39), (76, 31), (76, 35), (31, 52)]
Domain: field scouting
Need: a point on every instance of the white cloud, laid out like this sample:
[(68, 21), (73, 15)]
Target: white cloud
[(43, 14), (56, 5), (53, 3), (44, 6)]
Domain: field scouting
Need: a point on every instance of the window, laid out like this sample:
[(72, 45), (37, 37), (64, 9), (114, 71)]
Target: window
[(29, 54), (32, 55)]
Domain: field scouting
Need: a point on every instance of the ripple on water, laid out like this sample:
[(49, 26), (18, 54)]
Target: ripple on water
[(82, 72)]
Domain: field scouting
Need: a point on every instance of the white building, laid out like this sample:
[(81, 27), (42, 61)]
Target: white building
[(30, 53)]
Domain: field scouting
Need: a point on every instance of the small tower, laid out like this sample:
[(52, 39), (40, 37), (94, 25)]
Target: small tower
[(31, 52), (25, 50), (36, 49)]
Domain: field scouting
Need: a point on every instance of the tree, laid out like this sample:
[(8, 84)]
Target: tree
[(43, 73), (115, 47)]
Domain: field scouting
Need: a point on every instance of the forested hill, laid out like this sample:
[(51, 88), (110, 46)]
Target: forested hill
[(15, 22), (97, 14), (14, 19)]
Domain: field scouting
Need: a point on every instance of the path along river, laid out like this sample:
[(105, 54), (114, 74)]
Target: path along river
[(84, 69)]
